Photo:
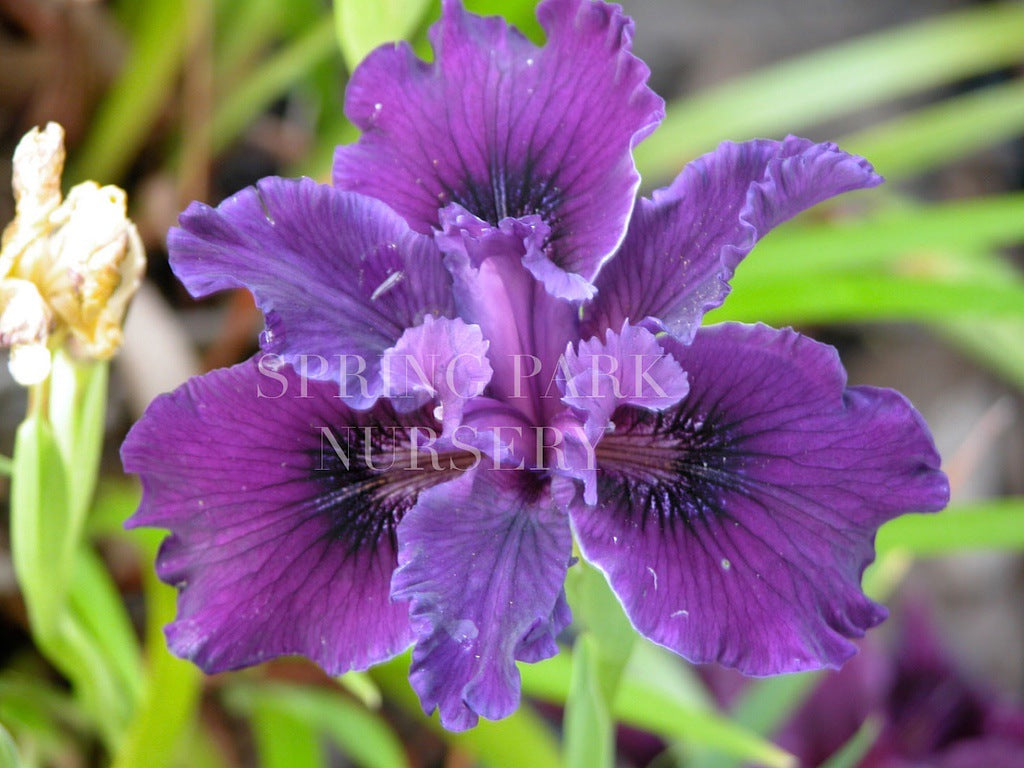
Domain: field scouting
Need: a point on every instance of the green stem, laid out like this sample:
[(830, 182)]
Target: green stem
[(173, 686)]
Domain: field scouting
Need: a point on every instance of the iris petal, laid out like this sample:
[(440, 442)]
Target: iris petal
[(684, 244), (282, 505), (507, 129), (628, 367), (482, 562), (339, 276), (443, 359), (736, 526)]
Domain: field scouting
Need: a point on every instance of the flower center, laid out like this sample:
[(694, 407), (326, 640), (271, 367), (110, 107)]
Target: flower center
[(372, 474), (670, 467), (510, 195)]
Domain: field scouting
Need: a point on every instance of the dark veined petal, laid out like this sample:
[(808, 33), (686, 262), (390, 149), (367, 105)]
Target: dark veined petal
[(684, 244), (507, 129), (735, 527), (276, 546), (482, 563), (338, 275), (443, 359)]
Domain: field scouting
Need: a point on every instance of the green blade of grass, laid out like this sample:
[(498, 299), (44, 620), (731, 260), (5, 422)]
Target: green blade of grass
[(839, 80), (131, 108), (587, 728), (243, 31), (958, 232), (270, 81), (661, 710), (283, 740), (364, 737), (996, 524), (39, 517), (809, 298), (854, 750), (937, 135), (9, 757), (763, 706), (97, 604), (167, 711), (497, 744), (361, 26), (995, 343)]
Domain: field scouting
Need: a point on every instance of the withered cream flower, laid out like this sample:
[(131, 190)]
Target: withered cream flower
[(67, 268)]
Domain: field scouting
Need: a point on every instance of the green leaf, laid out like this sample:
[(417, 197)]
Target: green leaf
[(996, 524), (284, 740), (993, 342), (48, 736), (91, 643), (116, 498), (841, 79), (661, 713), (941, 134), (8, 750), (670, 712), (168, 708), (522, 14), (39, 519), (498, 744), (200, 749), (361, 685), (766, 704), (129, 111), (596, 608), (80, 658), (48, 502), (243, 30), (362, 26), (30, 702), (98, 606), (39, 713), (948, 238), (992, 525), (763, 707), (808, 298), (587, 728), (273, 78), (657, 668), (6, 466), (363, 736), (854, 750)]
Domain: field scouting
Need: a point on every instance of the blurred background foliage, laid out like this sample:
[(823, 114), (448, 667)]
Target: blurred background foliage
[(193, 99)]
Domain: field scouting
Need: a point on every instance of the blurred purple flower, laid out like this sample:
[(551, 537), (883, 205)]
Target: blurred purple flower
[(931, 713), (480, 280)]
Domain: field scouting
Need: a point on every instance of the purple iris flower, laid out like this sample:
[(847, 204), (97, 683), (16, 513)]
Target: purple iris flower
[(478, 342)]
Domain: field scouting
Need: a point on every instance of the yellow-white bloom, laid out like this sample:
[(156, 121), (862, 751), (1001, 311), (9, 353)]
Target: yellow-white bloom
[(68, 268)]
